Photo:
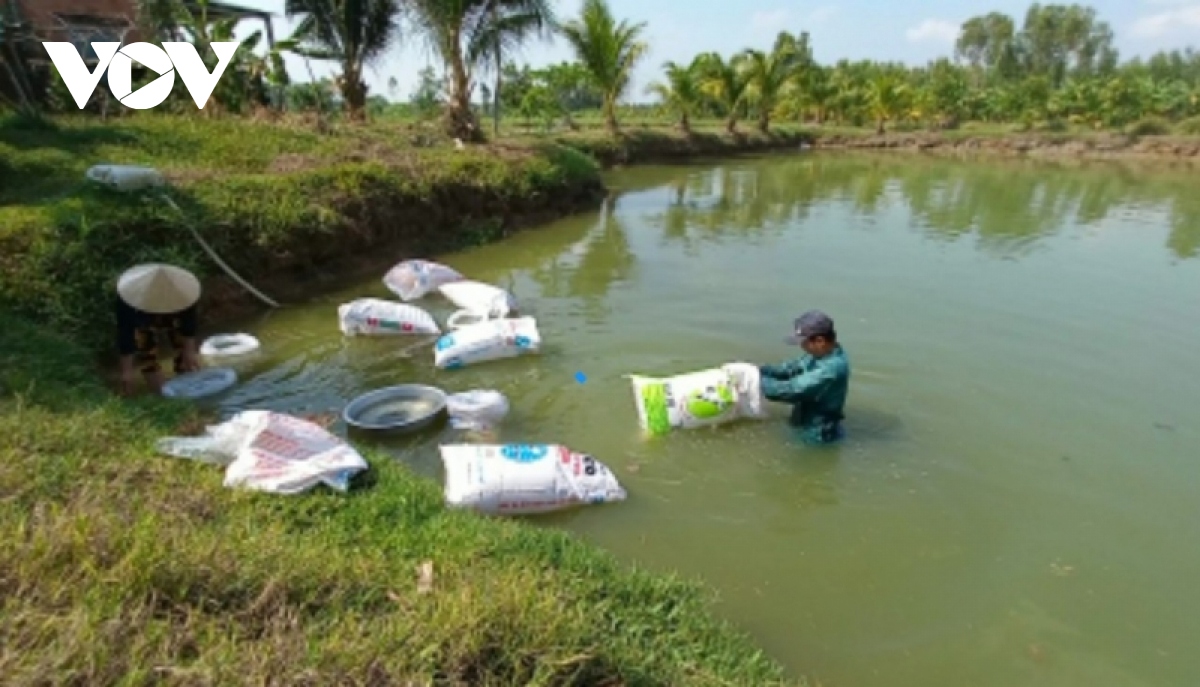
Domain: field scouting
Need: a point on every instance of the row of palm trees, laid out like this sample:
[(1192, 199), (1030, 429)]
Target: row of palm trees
[(786, 83), (752, 83), (472, 38)]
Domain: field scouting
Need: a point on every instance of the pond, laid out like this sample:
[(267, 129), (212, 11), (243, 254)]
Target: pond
[(1018, 498)]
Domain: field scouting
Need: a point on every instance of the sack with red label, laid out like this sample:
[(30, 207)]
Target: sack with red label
[(269, 451), (520, 479), (372, 316)]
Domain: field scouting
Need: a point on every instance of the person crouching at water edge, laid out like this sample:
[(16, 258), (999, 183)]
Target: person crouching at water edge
[(816, 383), (156, 299)]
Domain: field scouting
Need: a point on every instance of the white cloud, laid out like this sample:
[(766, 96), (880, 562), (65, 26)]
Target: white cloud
[(769, 23), (820, 14), (775, 20), (1185, 19), (933, 31)]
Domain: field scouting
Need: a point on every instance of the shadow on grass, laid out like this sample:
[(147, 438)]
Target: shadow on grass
[(28, 133), (46, 160)]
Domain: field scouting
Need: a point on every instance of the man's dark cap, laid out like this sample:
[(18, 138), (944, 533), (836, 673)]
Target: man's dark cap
[(811, 323)]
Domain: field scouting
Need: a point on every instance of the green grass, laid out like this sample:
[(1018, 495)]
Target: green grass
[(269, 197), (120, 566)]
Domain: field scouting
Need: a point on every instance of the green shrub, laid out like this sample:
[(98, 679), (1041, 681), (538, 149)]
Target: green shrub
[(1149, 126), (1189, 127), (266, 197)]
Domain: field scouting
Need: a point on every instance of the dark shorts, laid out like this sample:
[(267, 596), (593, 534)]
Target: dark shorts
[(146, 340)]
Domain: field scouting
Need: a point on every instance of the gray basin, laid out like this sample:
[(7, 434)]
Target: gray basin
[(403, 408)]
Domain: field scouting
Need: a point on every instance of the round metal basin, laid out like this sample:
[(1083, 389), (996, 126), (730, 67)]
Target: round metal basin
[(209, 381), (403, 408)]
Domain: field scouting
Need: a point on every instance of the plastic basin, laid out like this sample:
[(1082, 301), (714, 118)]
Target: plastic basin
[(200, 384), (402, 408)]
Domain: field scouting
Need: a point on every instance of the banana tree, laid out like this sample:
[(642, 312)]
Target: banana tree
[(247, 74), (947, 88), (354, 33), (571, 85), (681, 93), (609, 50), (1123, 100)]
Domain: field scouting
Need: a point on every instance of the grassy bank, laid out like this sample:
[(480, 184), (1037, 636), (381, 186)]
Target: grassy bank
[(1150, 143), (649, 144), (283, 204), (658, 138), (121, 566), (289, 206)]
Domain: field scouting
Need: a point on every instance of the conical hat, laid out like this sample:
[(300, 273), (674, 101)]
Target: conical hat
[(159, 289)]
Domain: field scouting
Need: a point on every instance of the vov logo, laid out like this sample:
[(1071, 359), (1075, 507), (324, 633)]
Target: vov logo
[(118, 62)]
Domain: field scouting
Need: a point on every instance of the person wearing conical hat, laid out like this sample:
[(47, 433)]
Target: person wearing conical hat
[(156, 299)]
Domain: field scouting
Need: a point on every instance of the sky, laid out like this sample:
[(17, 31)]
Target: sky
[(912, 31)]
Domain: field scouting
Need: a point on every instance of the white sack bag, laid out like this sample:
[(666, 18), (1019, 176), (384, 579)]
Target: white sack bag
[(698, 399), (371, 316), (517, 479), (476, 409), (480, 298), (272, 452), (413, 279), (489, 340)]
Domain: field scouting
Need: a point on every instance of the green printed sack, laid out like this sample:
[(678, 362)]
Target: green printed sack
[(698, 399)]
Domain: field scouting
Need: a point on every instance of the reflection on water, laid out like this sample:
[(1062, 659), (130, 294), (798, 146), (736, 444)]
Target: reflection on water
[(1008, 205), (1015, 500)]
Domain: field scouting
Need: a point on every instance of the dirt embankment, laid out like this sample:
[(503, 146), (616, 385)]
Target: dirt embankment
[(388, 230), (1033, 145), (645, 147)]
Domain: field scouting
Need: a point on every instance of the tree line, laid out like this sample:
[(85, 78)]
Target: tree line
[(1058, 67)]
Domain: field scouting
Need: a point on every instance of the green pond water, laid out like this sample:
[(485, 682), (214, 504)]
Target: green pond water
[(1018, 499)]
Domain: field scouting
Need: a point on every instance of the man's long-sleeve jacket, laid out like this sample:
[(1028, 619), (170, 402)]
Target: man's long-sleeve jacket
[(816, 388)]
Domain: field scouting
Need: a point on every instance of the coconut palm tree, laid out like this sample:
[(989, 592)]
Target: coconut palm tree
[(471, 35), (681, 93), (768, 75), (506, 32), (887, 97), (725, 84), (608, 50), (352, 32)]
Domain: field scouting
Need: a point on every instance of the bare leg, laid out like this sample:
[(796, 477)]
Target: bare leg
[(154, 380)]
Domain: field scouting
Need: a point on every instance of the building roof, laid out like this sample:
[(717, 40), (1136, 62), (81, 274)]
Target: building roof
[(225, 9), (83, 22)]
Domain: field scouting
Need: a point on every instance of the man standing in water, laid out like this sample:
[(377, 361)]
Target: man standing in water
[(816, 383)]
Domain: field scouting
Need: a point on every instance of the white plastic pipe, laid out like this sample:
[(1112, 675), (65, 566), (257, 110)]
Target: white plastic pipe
[(216, 258)]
